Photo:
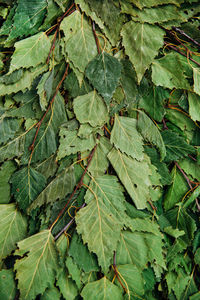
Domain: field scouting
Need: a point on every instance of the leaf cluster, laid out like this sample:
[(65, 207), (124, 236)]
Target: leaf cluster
[(99, 149)]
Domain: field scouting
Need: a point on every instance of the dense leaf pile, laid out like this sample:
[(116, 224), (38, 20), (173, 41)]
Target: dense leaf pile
[(99, 149)]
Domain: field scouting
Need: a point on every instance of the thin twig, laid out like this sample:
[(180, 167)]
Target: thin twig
[(78, 186), (67, 226), (38, 125), (96, 37), (193, 158), (164, 124), (186, 35), (116, 272), (182, 53), (183, 173)]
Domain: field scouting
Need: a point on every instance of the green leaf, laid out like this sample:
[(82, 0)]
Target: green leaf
[(133, 277), (81, 255), (176, 190), (194, 106), (126, 138), (100, 163), (158, 15), (106, 290), (150, 3), (30, 52), (58, 188), (70, 143), (44, 89), (74, 271), (176, 146), (91, 109), (24, 82), (7, 285), (8, 128), (109, 13), (190, 167), (12, 228), (134, 175), (196, 77), (28, 17), (51, 293), (161, 167), (171, 71), (38, 269), (26, 186), (128, 80), (101, 218), (104, 73), (177, 282), (153, 103), (67, 286), (151, 133), (140, 48), (6, 171), (78, 39), (138, 248), (46, 142)]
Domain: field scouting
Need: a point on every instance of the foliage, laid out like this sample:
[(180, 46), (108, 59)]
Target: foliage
[(99, 149)]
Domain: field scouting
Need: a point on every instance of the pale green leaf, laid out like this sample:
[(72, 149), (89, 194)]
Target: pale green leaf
[(25, 81), (138, 248), (57, 188), (194, 106), (176, 146), (176, 190), (102, 217), (70, 143), (79, 39), (7, 285), (6, 170), (171, 71), (151, 133), (90, 108), (67, 286), (51, 293), (26, 185), (190, 167), (104, 73), (149, 3), (128, 80), (74, 271), (48, 167), (99, 163), (13, 228), (134, 175), (42, 92), (196, 76), (101, 289), (133, 277), (126, 138), (30, 52), (158, 15), (177, 282), (38, 269), (140, 48)]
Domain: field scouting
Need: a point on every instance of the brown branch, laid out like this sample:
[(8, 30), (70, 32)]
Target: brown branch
[(186, 35), (67, 226), (116, 272), (78, 186), (182, 53), (183, 173), (38, 125), (66, 14), (96, 37)]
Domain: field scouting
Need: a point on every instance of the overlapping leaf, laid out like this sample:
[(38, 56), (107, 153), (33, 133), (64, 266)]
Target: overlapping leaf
[(37, 270), (126, 138), (13, 228), (140, 48)]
